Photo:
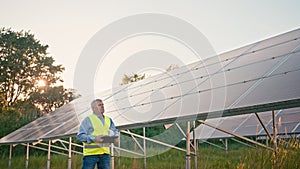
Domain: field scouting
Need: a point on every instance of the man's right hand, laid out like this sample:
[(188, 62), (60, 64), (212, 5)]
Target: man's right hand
[(117, 140), (98, 139)]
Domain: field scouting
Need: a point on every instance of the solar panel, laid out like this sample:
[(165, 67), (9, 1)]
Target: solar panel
[(287, 122), (56, 124), (251, 77), (255, 78)]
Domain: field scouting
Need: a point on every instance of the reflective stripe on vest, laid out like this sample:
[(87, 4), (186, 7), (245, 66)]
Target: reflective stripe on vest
[(99, 129)]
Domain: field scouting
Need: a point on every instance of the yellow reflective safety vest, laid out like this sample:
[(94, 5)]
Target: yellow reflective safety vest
[(99, 129)]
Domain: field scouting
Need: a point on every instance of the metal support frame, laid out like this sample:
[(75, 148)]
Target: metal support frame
[(183, 133), (195, 145), (155, 141), (10, 155), (144, 145), (44, 149), (70, 153), (74, 144), (236, 135), (242, 142), (129, 151), (57, 147), (49, 150), (263, 125), (119, 153), (226, 145), (27, 156), (187, 150), (112, 158), (274, 137), (49, 154), (188, 146), (180, 129), (274, 132), (205, 141), (136, 142), (267, 141)]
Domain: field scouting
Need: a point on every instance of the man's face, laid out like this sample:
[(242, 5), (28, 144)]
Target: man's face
[(99, 108)]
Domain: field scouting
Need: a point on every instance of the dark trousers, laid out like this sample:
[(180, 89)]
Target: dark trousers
[(102, 161)]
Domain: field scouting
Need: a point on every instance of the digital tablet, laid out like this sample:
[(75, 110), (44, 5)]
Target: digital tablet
[(109, 139)]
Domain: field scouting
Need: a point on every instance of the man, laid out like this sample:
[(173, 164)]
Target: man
[(91, 129)]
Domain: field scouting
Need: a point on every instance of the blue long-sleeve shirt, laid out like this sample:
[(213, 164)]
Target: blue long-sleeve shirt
[(86, 129)]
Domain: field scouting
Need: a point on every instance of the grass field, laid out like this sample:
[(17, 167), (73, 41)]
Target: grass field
[(237, 157)]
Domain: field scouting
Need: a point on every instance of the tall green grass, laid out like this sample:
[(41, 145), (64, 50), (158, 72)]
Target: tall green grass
[(287, 156), (40, 162)]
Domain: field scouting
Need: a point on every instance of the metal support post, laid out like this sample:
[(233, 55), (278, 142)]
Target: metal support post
[(119, 152), (154, 141), (10, 155), (27, 156), (195, 145), (205, 141), (263, 125), (112, 158), (243, 142), (49, 154), (236, 135), (188, 146), (274, 132), (70, 154), (144, 145), (226, 145)]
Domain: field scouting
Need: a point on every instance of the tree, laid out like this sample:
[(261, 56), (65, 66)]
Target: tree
[(51, 98), (132, 78), (23, 61), (172, 67)]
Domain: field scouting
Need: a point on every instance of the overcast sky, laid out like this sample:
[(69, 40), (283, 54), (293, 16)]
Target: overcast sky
[(68, 26)]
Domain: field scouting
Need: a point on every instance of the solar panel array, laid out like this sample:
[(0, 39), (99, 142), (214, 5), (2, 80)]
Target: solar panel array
[(254, 78), (60, 123), (287, 122), (258, 77)]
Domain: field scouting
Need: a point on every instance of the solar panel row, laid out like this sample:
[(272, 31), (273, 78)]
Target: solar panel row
[(255, 78), (287, 122)]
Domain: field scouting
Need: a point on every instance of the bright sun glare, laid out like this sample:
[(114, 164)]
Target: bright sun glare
[(41, 83)]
